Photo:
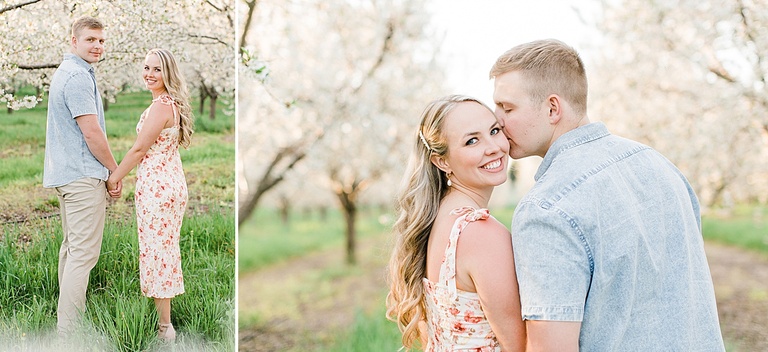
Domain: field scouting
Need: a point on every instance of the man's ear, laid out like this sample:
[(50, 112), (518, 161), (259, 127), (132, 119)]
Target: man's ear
[(73, 41), (441, 163), (555, 104)]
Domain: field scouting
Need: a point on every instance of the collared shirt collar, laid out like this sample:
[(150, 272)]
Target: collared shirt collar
[(570, 139), (79, 61)]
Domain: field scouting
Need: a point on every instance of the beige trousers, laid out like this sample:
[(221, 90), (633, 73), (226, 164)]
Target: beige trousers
[(83, 209)]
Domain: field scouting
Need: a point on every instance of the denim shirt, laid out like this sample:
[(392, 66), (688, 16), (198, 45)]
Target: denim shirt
[(73, 93), (610, 236)]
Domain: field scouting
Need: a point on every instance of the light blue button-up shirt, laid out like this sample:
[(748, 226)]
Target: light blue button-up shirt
[(73, 93), (610, 236)]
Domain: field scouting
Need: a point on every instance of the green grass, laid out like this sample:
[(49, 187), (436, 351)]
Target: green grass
[(114, 304), (117, 316), (746, 226), (370, 332), (264, 239), (16, 169)]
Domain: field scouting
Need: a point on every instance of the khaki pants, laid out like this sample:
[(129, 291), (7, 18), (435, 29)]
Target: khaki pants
[(83, 208)]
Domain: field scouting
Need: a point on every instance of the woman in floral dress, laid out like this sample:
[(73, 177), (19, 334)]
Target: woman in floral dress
[(451, 275), (161, 189)]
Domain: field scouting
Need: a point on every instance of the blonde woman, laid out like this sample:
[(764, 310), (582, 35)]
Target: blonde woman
[(451, 275), (161, 189)]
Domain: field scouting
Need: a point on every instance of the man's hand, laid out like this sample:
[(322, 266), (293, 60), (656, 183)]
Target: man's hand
[(114, 187)]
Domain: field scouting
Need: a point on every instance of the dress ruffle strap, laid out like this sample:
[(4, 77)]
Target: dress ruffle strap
[(448, 267), (166, 99)]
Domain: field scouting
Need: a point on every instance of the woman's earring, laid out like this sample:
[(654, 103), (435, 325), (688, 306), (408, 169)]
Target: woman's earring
[(448, 176)]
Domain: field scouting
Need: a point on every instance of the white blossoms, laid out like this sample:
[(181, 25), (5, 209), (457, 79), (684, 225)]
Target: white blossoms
[(15, 103), (253, 66)]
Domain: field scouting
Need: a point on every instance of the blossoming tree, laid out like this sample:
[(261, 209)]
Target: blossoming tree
[(36, 35), (346, 82), (693, 85)]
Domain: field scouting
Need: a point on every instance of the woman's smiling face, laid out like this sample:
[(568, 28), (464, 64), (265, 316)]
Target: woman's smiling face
[(153, 73), (477, 148)]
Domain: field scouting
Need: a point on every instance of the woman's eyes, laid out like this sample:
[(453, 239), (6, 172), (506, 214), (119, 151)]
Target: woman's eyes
[(474, 140)]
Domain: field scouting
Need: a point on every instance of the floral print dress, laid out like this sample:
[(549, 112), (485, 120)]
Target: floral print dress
[(161, 198), (455, 319)]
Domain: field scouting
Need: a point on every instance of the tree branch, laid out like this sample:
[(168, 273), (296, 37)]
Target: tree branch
[(749, 31), (17, 6), (213, 5), (386, 46), (209, 37), (251, 7), (272, 176), (224, 9), (37, 67)]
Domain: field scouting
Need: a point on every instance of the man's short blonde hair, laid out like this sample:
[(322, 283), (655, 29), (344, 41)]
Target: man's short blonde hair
[(85, 22), (549, 67)]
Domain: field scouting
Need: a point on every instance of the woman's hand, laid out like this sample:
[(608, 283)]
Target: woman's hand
[(114, 187)]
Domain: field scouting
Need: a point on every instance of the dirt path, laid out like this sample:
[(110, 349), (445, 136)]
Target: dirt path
[(319, 297), (741, 287)]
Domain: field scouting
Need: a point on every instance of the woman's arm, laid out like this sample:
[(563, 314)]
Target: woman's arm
[(485, 253), (158, 116)]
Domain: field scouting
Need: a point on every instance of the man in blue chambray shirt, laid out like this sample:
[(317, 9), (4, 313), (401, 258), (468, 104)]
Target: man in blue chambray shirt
[(77, 163), (608, 248)]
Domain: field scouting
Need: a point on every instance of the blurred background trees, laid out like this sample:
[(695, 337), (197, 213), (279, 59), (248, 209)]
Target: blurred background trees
[(339, 108), (199, 33), (330, 93), (689, 79)]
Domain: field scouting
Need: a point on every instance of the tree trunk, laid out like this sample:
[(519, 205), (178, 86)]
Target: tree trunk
[(203, 95), (212, 113), (285, 209), (350, 215), (347, 197), (323, 211), (105, 102)]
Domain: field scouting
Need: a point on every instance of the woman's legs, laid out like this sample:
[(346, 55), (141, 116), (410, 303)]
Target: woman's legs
[(163, 306), (166, 332)]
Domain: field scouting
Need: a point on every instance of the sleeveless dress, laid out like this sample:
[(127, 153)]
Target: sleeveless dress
[(161, 198), (455, 319)]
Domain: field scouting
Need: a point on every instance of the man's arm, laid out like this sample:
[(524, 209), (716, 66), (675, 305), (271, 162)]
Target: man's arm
[(559, 336), (554, 276), (96, 140)]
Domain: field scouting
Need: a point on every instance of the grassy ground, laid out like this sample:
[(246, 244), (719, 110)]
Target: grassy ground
[(265, 239), (744, 226), (118, 317)]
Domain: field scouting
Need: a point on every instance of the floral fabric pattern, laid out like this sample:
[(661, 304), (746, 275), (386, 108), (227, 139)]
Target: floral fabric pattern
[(455, 318), (161, 198)]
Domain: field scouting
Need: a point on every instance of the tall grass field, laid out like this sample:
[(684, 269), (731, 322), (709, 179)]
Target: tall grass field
[(117, 316)]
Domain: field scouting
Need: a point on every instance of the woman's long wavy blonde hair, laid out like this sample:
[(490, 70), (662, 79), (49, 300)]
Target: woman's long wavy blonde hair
[(177, 89), (418, 200)]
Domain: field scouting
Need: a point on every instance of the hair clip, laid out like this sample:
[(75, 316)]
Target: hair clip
[(424, 140)]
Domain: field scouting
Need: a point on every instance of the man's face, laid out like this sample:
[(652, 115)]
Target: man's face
[(88, 44), (524, 122)]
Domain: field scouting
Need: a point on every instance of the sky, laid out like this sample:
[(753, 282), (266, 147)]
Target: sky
[(477, 33)]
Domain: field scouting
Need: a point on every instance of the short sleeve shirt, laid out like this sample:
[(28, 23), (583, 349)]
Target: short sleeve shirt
[(73, 93), (610, 236)]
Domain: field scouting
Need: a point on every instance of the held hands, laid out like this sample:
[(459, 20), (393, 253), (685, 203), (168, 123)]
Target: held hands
[(114, 187)]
